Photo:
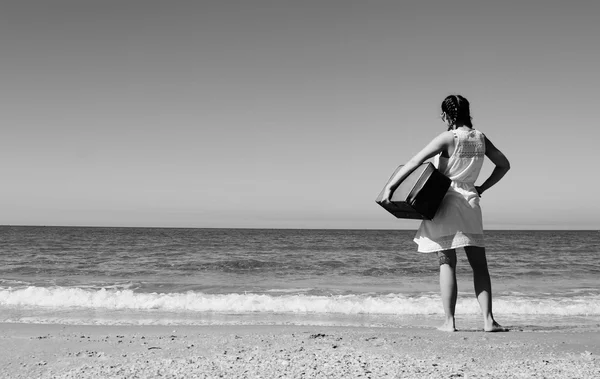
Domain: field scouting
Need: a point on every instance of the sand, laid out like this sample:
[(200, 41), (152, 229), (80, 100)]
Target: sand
[(68, 351)]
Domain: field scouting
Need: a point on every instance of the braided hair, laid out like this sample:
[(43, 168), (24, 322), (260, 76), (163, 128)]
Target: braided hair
[(457, 109)]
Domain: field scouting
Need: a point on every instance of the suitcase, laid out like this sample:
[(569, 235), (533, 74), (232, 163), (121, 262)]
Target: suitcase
[(419, 195)]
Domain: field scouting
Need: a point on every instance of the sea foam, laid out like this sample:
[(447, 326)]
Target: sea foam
[(384, 304)]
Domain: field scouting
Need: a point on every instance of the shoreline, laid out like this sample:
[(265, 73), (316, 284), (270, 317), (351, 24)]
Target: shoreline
[(293, 351)]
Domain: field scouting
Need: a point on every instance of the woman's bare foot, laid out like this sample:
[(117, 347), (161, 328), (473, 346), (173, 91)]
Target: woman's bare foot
[(448, 326), (495, 327)]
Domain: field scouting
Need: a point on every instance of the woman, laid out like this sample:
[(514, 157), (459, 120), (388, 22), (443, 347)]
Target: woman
[(458, 221)]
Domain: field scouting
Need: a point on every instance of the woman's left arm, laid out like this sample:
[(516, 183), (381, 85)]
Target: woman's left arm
[(438, 144)]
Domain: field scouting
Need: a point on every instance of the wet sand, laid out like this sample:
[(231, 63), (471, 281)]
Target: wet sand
[(70, 351)]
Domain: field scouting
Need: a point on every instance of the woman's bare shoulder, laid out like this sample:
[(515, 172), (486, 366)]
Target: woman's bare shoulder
[(446, 137)]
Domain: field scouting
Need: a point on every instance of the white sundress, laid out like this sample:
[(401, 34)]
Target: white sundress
[(458, 221)]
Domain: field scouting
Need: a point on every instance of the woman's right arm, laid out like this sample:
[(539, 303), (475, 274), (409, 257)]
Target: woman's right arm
[(502, 166), (434, 147)]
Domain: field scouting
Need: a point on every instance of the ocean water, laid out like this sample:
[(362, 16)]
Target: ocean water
[(78, 275)]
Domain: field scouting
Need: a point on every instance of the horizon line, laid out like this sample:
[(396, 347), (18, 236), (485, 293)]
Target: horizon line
[(261, 228)]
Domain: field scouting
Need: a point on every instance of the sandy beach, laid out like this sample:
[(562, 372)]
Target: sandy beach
[(68, 351)]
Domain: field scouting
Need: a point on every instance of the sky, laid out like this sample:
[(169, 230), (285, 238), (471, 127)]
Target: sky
[(288, 114)]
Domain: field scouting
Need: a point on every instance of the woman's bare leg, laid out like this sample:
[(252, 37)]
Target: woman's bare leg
[(448, 287), (483, 287)]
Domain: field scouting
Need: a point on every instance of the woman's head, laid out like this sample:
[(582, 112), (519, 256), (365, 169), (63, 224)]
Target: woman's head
[(456, 110)]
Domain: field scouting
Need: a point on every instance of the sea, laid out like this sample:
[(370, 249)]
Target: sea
[(542, 280)]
